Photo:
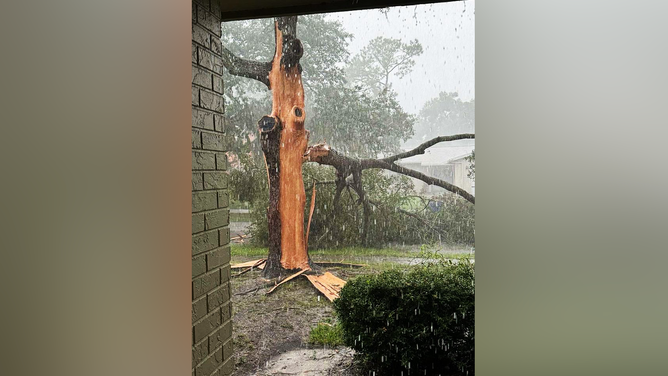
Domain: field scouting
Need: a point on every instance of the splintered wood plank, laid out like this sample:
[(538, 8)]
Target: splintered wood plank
[(287, 279), (248, 264), (328, 284), (259, 264)]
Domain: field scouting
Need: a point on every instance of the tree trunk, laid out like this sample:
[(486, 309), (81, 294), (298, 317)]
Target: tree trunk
[(284, 141)]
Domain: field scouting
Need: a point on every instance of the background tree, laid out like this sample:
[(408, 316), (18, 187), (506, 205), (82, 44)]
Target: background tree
[(447, 114), (348, 117), (379, 60)]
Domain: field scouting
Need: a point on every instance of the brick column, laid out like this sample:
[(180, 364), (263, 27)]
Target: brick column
[(211, 309)]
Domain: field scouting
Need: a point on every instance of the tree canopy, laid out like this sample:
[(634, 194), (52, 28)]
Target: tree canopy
[(350, 117)]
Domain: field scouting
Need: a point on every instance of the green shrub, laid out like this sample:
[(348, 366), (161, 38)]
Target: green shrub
[(326, 334), (420, 321)]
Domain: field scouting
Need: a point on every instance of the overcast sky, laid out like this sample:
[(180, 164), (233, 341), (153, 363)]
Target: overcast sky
[(447, 34)]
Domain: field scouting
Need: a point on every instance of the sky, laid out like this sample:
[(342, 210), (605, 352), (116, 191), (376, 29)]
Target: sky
[(447, 34)]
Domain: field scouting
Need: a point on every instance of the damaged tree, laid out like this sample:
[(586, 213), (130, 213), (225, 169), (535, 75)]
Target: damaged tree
[(284, 142)]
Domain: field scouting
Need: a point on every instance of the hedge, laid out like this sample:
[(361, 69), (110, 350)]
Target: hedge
[(419, 322)]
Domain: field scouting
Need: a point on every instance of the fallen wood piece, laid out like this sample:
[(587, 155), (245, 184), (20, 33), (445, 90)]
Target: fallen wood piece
[(343, 264), (328, 284), (242, 272), (247, 264), (248, 291), (287, 279), (259, 264)]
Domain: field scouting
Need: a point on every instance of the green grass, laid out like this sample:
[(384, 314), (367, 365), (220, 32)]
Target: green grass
[(252, 251), (326, 334), (248, 250)]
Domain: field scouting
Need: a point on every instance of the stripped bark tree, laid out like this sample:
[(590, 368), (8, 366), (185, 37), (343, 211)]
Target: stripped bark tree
[(284, 143)]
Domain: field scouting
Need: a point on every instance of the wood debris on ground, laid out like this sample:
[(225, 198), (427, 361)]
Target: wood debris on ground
[(250, 264), (328, 284), (287, 279)]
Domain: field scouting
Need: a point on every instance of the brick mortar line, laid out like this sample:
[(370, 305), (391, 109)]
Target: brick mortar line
[(214, 132), (206, 338), (219, 288), (212, 112), (222, 364), (217, 268), (208, 210), (217, 228), (212, 15), (211, 354), (206, 253), (205, 47), (207, 69), (210, 314), (204, 108), (205, 296), (212, 230), (211, 189)]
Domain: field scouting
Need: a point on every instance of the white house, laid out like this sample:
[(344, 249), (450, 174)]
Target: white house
[(446, 163)]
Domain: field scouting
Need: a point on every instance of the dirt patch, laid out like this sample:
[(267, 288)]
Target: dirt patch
[(265, 326), (269, 328)]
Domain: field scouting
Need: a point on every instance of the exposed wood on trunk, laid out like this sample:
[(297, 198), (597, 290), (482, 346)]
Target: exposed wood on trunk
[(288, 106), (310, 217)]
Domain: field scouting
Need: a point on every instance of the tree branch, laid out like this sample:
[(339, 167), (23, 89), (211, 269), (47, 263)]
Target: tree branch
[(421, 149), (345, 166), (427, 179), (246, 68)]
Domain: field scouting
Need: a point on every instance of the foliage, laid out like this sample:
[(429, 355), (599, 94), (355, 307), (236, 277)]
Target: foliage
[(356, 120), (326, 334), (346, 117), (471, 169), (453, 219), (446, 219), (421, 320), (379, 60), (360, 125), (248, 182), (445, 114)]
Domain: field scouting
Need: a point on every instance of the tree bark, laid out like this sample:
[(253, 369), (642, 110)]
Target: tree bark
[(284, 143)]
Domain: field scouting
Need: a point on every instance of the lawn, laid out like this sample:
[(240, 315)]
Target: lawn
[(296, 315), (352, 253)]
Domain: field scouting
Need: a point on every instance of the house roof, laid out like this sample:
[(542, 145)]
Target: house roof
[(439, 156)]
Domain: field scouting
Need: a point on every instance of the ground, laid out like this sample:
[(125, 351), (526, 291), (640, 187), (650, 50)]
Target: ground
[(271, 332)]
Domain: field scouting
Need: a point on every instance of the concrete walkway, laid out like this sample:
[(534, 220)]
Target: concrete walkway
[(311, 362)]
